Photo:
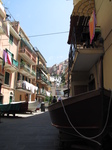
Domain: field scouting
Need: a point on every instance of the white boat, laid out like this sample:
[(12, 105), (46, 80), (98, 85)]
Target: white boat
[(32, 105)]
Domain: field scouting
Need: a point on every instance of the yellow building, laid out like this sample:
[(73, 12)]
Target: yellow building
[(90, 63)]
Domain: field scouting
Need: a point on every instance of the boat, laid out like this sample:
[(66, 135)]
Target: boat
[(87, 115), (32, 105), (14, 108)]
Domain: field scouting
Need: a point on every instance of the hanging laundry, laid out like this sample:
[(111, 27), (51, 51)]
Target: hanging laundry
[(9, 59), (92, 24), (8, 28)]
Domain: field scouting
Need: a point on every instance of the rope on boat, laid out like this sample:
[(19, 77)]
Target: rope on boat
[(83, 136)]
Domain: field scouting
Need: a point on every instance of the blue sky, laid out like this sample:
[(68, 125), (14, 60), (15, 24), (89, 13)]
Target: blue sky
[(39, 17)]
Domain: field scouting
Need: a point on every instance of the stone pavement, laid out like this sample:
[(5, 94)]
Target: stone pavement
[(28, 132)]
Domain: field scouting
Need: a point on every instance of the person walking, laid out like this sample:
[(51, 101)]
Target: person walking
[(54, 100), (59, 98)]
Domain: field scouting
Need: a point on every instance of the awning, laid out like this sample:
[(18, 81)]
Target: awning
[(44, 73), (83, 8), (79, 19)]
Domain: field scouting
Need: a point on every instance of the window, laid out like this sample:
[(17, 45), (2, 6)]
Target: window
[(11, 39), (23, 78), (38, 61), (20, 98), (42, 89), (18, 77), (7, 78)]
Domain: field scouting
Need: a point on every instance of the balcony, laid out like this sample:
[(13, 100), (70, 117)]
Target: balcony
[(12, 67), (33, 74), (2, 11), (25, 54), (42, 79), (10, 63), (26, 87), (82, 54), (41, 93), (82, 59), (40, 66), (25, 70)]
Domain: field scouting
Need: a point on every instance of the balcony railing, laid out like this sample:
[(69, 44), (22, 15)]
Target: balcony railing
[(13, 66), (84, 46), (26, 86), (15, 63), (42, 79), (25, 67), (27, 55), (43, 67), (27, 71), (41, 92), (33, 73)]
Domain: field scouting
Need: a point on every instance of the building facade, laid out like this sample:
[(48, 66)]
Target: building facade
[(20, 64), (90, 56)]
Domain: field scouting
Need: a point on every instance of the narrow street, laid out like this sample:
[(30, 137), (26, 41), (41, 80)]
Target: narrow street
[(28, 132)]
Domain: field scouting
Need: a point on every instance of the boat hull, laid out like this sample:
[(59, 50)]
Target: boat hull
[(32, 105), (85, 113), (14, 107)]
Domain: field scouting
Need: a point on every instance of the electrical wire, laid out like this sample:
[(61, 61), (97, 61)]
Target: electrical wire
[(48, 34)]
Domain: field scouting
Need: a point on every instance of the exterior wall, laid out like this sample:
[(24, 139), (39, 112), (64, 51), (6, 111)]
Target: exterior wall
[(104, 19), (4, 42), (78, 79), (6, 97), (13, 49), (107, 68), (82, 78), (95, 70), (17, 96)]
